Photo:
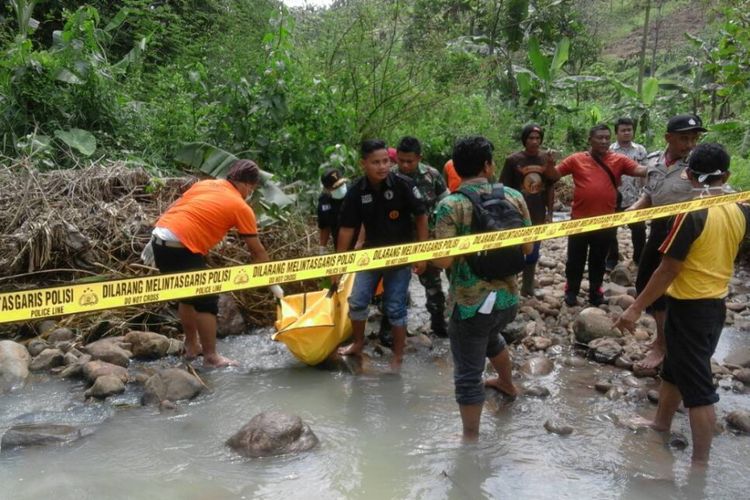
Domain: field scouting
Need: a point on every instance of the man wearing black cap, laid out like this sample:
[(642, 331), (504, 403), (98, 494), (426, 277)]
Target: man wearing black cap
[(698, 261), (666, 182), (329, 205)]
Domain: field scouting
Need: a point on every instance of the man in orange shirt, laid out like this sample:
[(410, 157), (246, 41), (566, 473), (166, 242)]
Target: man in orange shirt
[(596, 175), (188, 230)]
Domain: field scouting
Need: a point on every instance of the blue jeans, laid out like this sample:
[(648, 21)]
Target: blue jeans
[(473, 340), (395, 289), (533, 257)]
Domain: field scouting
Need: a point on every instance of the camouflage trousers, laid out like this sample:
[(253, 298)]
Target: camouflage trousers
[(435, 299)]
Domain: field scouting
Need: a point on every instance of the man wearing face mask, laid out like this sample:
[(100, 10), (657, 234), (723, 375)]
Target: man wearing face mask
[(329, 206), (666, 182), (186, 232)]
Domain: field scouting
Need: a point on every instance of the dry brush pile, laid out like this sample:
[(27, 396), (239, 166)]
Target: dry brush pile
[(65, 226)]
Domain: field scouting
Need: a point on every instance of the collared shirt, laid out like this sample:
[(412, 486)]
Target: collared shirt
[(631, 187), (430, 184), (707, 242), (453, 218), (593, 192), (385, 211), (666, 184)]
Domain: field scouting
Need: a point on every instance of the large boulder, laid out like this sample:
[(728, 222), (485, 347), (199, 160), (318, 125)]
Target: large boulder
[(150, 345), (109, 350), (229, 321), (171, 384), (14, 365), (593, 323), (273, 433), (61, 335), (92, 370), (41, 434)]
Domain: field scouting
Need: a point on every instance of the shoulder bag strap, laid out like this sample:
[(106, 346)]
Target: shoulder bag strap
[(606, 169)]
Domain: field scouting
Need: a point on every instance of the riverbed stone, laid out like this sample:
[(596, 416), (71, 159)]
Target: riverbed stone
[(603, 386), (622, 301), (229, 321), (48, 358), (537, 366), (573, 361), (593, 323), (61, 334), (537, 342), (171, 384), (739, 420), (739, 357), (14, 365), (105, 386), (547, 262), (273, 433), (36, 346), (557, 426), (41, 434), (535, 391), (621, 275), (624, 362), (677, 440), (604, 350), (92, 370), (69, 359), (109, 350), (148, 345), (743, 375)]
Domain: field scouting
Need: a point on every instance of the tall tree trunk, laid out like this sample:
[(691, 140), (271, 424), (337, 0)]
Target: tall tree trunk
[(642, 62), (657, 29)]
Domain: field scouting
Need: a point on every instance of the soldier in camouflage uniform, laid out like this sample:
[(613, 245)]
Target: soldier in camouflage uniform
[(433, 189)]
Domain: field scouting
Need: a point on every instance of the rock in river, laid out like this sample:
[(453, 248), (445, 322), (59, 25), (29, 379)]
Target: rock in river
[(48, 358), (171, 384), (273, 433), (105, 386), (537, 366), (40, 435), (150, 345), (739, 357), (604, 350), (739, 420), (95, 369), (558, 427), (593, 323), (109, 350), (14, 365)]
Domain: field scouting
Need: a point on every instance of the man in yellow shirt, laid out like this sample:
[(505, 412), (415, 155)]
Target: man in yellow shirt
[(697, 263)]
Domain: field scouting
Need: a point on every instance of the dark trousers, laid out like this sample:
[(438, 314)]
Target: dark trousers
[(637, 236), (593, 245)]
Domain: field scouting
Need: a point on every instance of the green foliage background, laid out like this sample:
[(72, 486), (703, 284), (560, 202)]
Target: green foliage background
[(137, 80)]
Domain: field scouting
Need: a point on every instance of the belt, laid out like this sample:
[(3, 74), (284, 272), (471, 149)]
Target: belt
[(164, 243)]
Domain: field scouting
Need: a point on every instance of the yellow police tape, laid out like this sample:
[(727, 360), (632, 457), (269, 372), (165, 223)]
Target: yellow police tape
[(89, 297)]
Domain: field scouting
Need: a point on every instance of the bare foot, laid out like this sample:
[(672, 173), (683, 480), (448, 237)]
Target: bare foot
[(507, 388), (653, 359), (351, 350), (193, 351), (395, 365), (216, 361)]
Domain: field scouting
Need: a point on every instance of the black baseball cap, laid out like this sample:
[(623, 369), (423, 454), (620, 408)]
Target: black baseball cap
[(332, 178), (685, 123)]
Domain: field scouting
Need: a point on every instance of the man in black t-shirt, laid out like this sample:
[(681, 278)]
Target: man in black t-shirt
[(527, 171), (391, 209)]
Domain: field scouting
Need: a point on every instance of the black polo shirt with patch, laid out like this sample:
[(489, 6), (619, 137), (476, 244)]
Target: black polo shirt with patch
[(387, 213), (328, 214)]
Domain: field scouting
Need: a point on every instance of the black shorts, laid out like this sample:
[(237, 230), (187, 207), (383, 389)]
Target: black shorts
[(692, 330), (178, 260), (651, 258)]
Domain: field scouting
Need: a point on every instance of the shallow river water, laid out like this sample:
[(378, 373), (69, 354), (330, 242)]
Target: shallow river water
[(381, 436)]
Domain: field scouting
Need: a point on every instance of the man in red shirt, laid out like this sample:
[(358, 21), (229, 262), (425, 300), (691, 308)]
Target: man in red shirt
[(596, 175)]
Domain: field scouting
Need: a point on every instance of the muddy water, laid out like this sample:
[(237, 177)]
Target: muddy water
[(381, 437)]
